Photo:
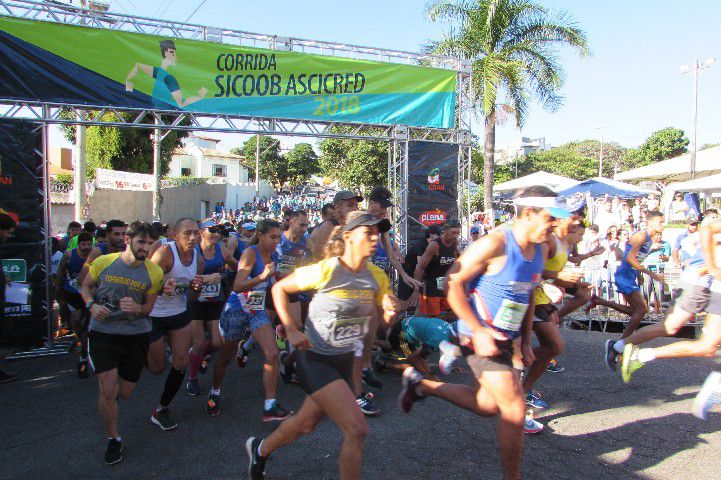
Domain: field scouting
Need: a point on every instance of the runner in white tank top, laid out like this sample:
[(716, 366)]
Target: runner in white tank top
[(182, 266)]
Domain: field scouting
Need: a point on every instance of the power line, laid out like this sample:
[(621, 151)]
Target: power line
[(194, 11)]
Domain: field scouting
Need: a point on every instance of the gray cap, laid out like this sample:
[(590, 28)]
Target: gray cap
[(367, 220), (346, 195)]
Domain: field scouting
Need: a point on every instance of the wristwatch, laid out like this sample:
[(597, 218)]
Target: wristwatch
[(89, 304)]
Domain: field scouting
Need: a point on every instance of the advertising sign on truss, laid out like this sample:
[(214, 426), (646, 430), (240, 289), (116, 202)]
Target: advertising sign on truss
[(59, 63)]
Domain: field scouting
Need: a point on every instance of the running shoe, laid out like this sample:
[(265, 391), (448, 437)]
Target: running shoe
[(256, 463), (286, 372), (114, 453), (83, 369), (610, 356), (192, 387), (163, 419), (366, 406), (591, 304), (203, 367), (531, 426), (241, 358), (533, 399), (370, 379), (276, 413), (709, 398), (554, 366), (408, 396), (280, 337), (449, 354), (7, 377), (630, 362), (213, 405), (379, 362)]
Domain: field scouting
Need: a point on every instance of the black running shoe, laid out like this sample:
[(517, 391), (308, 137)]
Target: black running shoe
[(408, 395), (370, 379), (192, 387), (83, 369), (366, 406), (276, 413), (611, 355), (256, 463), (163, 419), (7, 377), (213, 405), (286, 372), (114, 453)]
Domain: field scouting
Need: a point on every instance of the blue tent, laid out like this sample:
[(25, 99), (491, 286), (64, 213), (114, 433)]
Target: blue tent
[(599, 187)]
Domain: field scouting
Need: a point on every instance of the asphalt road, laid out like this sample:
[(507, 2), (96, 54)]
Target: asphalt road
[(597, 428)]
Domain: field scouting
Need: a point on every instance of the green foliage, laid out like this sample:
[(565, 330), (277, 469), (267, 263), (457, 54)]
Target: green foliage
[(124, 149), (661, 145), (511, 46), (302, 163), (64, 178), (179, 181), (354, 163), (273, 165), (706, 146)]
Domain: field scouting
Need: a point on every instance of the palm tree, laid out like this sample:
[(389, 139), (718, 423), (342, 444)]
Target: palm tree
[(511, 44)]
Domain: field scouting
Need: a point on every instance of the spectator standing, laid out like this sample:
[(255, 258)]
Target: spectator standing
[(679, 208)]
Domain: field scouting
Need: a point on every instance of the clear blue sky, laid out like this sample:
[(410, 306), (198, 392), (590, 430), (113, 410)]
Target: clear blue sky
[(631, 84)]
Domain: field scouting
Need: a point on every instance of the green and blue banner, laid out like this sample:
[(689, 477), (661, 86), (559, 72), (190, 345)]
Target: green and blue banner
[(58, 63)]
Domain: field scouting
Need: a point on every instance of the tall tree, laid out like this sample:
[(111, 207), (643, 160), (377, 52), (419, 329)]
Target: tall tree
[(124, 149), (512, 46), (354, 163), (302, 162), (273, 165), (663, 144)]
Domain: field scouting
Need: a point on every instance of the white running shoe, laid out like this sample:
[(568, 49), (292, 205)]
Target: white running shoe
[(531, 425), (709, 397), (449, 354)]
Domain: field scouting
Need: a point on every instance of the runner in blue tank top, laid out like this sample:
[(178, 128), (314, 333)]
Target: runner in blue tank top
[(636, 252), (700, 292), (256, 273), (495, 321), (67, 290), (115, 242), (205, 311)]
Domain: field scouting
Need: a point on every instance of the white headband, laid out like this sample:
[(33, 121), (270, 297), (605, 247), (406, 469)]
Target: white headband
[(539, 202)]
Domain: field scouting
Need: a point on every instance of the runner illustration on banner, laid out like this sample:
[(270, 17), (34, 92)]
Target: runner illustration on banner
[(166, 90)]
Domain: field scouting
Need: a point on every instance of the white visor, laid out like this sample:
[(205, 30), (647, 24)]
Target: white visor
[(552, 205)]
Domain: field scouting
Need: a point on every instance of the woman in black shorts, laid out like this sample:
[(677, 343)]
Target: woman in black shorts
[(349, 291)]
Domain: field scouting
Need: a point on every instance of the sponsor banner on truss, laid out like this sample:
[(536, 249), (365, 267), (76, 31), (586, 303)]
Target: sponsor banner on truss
[(116, 180), (59, 63), (432, 186)]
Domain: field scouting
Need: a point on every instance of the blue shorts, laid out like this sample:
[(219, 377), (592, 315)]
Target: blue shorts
[(626, 285), (233, 325)]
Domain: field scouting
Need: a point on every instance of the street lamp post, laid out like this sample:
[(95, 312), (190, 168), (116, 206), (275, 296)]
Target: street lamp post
[(600, 156), (696, 70)]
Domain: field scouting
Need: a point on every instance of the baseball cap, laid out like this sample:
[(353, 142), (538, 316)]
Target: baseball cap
[(475, 230), (692, 217), (346, 195), (381, 195), (249, 226), (207, 223), (367, 219), (552, 205)]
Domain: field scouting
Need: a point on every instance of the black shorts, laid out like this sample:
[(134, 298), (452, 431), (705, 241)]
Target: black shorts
[(162, 325), (127, 353), (501, 362), (74, 300), (315, 371), (206, 311), (542, 313)]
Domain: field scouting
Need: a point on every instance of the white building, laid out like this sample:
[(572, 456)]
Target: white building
[(518, 148), (200, 157)]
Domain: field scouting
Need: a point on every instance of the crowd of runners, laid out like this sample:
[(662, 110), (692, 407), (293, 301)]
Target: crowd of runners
[(318, 303)]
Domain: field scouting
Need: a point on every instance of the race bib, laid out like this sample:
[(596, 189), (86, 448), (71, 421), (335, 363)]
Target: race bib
[(74, 284), (256, 300), (209, 290), (441, 283), (180, 289), (347, 331), (285, 267), (510, 315)]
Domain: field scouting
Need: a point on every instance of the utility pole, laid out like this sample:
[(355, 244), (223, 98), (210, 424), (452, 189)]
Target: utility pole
[(600, 157), (156, 172), (696, 70), (257, 165), (79, 169)]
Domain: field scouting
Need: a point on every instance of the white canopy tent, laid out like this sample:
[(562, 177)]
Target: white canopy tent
[(550, 180), (677, 169), (706, 187)]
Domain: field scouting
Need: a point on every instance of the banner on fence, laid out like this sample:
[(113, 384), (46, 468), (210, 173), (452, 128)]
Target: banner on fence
[(72, 64), (432, 186), (23, 318), (116, 180)]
